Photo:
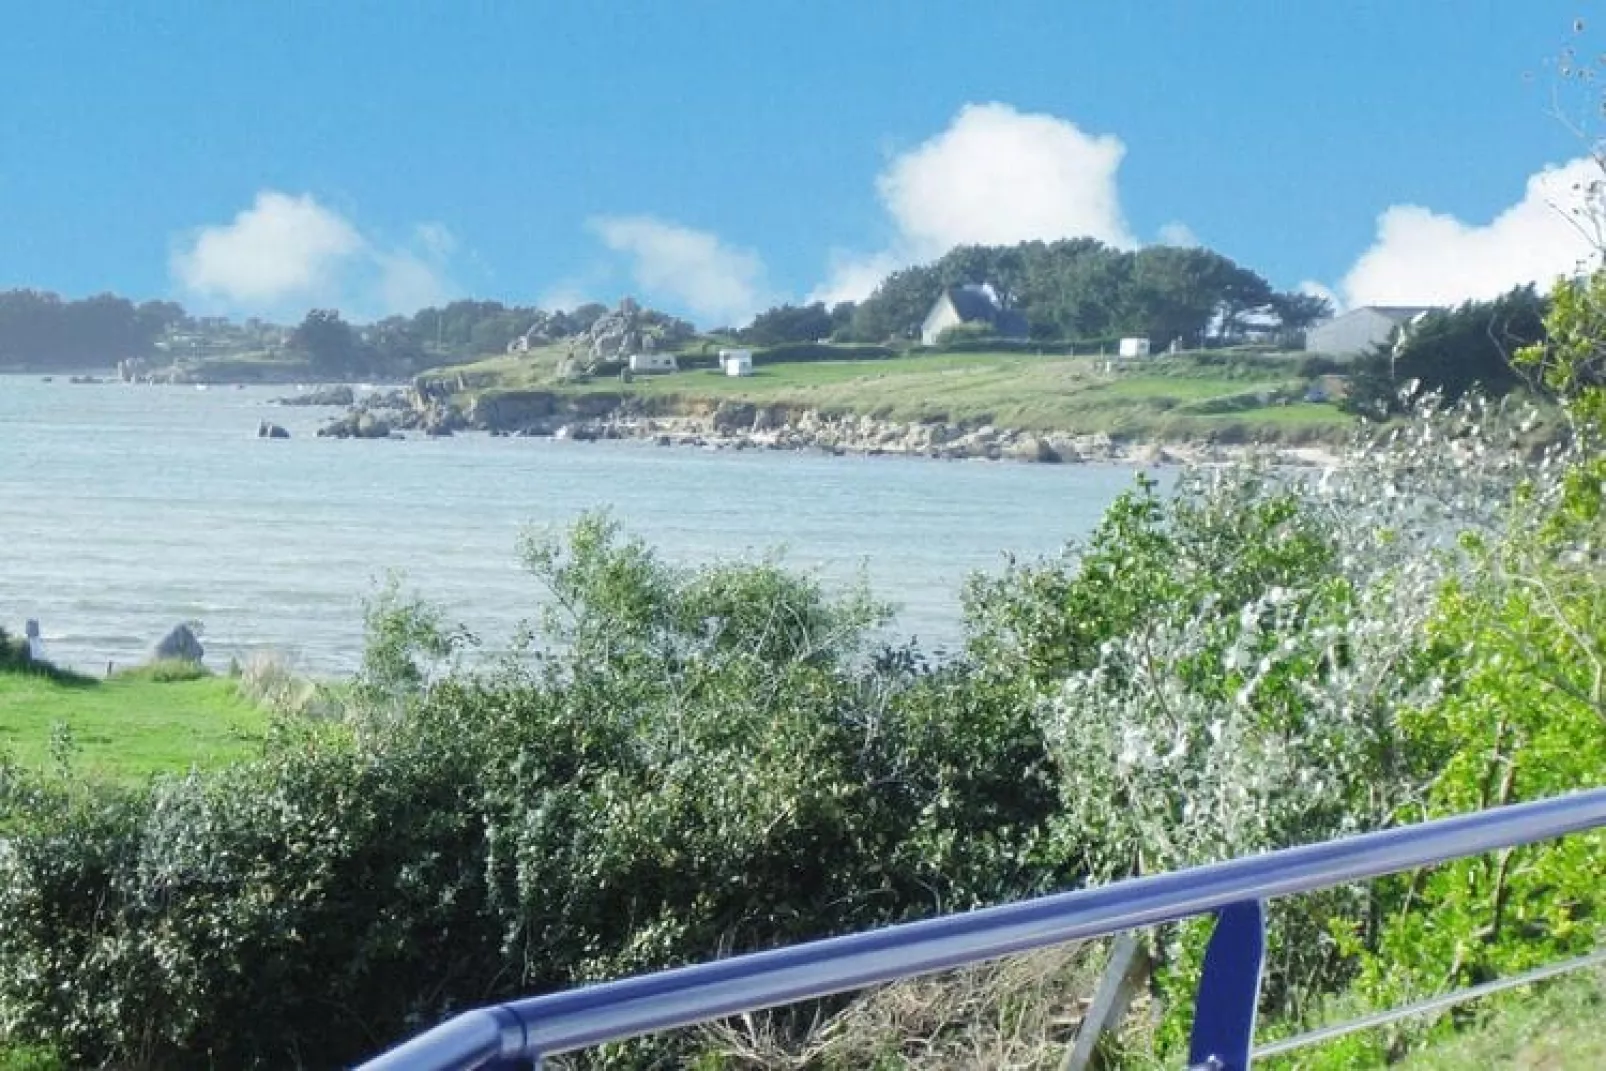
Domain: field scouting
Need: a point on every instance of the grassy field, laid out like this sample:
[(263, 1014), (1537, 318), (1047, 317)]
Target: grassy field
[(1561, 1027), (129, 726), (1185, 396)]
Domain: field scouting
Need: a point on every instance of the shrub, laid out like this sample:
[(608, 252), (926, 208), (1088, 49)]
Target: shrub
[(978, 331), (167, 671), (1317, 365)]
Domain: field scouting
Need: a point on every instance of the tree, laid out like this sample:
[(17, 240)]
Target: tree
[(789, 323), (38, 328), (897, 307), (1297, 312), (331, 346), (1452, 352)]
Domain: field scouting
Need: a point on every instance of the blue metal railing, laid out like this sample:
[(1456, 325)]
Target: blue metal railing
[(1236, 891)]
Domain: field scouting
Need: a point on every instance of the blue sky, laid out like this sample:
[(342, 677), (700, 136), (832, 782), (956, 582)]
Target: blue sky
[(713, 158)]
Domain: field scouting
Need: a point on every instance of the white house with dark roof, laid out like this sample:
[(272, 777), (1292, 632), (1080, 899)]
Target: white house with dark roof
[(1358, 330), (969, 304)]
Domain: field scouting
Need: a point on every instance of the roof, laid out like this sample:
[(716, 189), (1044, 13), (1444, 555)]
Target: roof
[(1011, 324), (1398, 313), (979, 303), (973, 303)]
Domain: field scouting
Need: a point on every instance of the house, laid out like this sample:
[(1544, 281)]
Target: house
[(1359, 330), (1134, 347), (971, 304), (736, 362), (653, 362)]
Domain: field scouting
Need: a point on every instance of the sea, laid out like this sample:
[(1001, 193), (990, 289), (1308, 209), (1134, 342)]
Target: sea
[(125, 510)]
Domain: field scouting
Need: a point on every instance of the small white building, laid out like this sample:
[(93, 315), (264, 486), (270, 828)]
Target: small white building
[(654, 362), (1134, 347), (736, 362)]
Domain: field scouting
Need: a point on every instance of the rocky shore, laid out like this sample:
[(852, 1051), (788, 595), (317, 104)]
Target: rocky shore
[(734, 425)]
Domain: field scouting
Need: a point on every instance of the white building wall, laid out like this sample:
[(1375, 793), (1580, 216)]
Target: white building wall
[(942, 316), (1351, 334), (736, 362)]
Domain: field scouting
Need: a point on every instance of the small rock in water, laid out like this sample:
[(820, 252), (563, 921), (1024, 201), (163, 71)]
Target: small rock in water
[(265, 430), (179, 644)]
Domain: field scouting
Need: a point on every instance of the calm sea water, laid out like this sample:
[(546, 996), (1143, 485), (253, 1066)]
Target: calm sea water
[(124, 510)]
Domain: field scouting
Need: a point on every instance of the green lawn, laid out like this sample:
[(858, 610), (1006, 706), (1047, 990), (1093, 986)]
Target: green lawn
[(128, 727), (1561, 1027), (1180, 396)]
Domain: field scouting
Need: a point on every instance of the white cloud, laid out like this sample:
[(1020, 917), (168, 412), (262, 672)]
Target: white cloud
[(408, 282), (567, 296), (713, 281), (286, 252), (1178, 234), (995, 176), (280, 248), (1422, 257), (853, 276)]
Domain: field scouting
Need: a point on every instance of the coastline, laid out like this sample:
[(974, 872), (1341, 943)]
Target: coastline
[(740, 425)]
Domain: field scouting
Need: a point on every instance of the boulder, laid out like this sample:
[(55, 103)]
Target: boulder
[(511, 410), (1031, 448), (336, 395), (180, 645), (266, 430), (769, 418), (733, 417), (371, 427)]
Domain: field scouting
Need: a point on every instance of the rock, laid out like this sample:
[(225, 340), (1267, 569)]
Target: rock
[(372, 427), (357, 425), (1032, 448), (336, 395), (396, 398), (630, 329), (438, 431), (1151, 454), (733, 417), (769, 418), (511, 410), (180, 645), (266, 430)]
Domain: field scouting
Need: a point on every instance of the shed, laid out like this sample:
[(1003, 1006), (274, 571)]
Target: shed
[(736, 362), (653, 362), (1134, 347)]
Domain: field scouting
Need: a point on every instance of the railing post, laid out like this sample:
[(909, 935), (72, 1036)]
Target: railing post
[(1124, 975), (1229, 989)]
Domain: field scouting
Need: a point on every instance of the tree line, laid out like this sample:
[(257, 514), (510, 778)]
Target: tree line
[(40, 329), (1074, 289)]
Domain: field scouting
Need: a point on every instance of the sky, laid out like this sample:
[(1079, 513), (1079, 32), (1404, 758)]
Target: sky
[(716, 158)]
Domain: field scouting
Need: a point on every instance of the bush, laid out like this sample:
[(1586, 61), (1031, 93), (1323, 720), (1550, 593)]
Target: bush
[(637, 793), (167, 671), (979, 331), (691, 760)]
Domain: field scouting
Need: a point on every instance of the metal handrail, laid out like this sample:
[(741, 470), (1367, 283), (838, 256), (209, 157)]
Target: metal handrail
[(573, 1019)]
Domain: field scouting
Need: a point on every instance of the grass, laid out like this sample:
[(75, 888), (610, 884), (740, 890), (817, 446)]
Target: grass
[(1561, 1027), (154, 719), (1181, 397)]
